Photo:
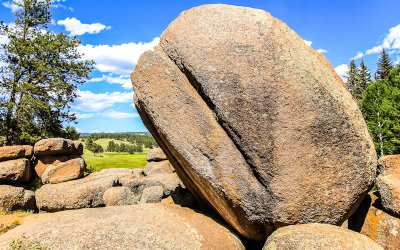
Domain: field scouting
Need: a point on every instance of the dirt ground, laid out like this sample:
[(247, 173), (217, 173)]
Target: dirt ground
[(10, 221)]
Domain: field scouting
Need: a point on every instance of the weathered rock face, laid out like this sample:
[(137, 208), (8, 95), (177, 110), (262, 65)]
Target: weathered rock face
[(144, 226), (161, 167), (58, 146), (45, 161), (318, 236), (156, 154), (15, 152), (119, 196), (82, 193), (169, 182), (388, 183), (253, 120), (64, 171), (15, 171), (152, 194), (16, 198), (371, 220)]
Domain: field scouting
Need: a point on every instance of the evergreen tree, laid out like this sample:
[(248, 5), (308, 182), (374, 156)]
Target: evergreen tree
[(40, 77), (384, 66), (352, 78), (363, 80)]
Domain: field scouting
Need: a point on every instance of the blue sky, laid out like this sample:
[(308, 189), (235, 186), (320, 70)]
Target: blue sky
[(115, 33)]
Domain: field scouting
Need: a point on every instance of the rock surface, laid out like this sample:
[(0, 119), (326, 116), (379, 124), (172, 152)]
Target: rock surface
[(152, 194), (58, 146), (318, 236), (16, 198), (15, 152), (169, 182), (18, 170), (119, 196), (42, 162), (64, 171), (371, 220), (156, 154), (82, 193), (144, 226), (388, 183), (161, 167), (253, 120)]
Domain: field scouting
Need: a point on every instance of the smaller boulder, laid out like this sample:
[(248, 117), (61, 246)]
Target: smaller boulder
[(15, 152), (64, 171), (169, 182), (133, 173), (43, 162), (152, 194), (156, 154), (119, 196), (18, 170), (161, 167), (16, 198), (318, 236), (388, 183), (58, 146)]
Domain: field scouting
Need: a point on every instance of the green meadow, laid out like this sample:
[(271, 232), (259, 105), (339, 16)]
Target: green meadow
[(112, 159)]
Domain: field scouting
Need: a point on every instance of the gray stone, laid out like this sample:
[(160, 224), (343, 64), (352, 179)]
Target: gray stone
[(152, 194), (156, 154), (16, 198), (18, 171)]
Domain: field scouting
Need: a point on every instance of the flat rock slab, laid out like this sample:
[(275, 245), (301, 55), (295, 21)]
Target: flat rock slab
[(58, 146), (13, 199), (156, 154), (144, 226), (257, 124), (388, 183), (18, 171), (64, 171), (82, 193), (15, 152), (318, 236)]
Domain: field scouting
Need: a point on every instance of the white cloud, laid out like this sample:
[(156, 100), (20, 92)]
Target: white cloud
[(119, 115), (13, 7), (83, 116), (123, 80), (342, 70), (308, 42), (76, 28), (322, 51), (89, 102), (390, 42), (3, 39), (117, 59)]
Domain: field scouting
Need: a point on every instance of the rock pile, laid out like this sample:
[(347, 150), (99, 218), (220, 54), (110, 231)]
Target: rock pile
[(253, 120)]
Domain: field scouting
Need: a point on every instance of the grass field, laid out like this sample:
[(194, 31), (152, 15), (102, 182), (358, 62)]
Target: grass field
[(113, 160)]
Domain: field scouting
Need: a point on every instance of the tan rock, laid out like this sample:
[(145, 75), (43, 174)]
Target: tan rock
[(18, 170), (388, 183), (152, 194), (371, 220), (318, 236), (15, 152), (156, 154), (119, 196), (169, 182), (160, 167), (134, 173), (144, 226), (43, 162), (253, 120), (58, 146), (64, 171), (16, 198), (81, 193)]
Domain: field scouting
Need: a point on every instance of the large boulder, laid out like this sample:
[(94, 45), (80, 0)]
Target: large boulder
[(373, 221), (18, 170), (318, 236), (58, 146), (388, 183), (253, 120), (16, 198), (81, 193), (15, 152), (64, 171), (144, 226), (160, 167), (43, 162), (156, 154)]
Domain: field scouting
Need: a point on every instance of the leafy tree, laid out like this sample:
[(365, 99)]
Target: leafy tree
[(384, 66), (95, 148), (352, 78), (40, 77), (139, 148), (70, 133), (131, 149)]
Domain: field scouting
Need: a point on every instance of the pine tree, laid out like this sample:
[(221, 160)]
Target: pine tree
[(384, 66), (352, 78), (363, 80), (40, 77)]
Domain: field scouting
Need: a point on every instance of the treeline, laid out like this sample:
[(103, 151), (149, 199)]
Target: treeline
[(143, 140), (379, 101), (122, 147)]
